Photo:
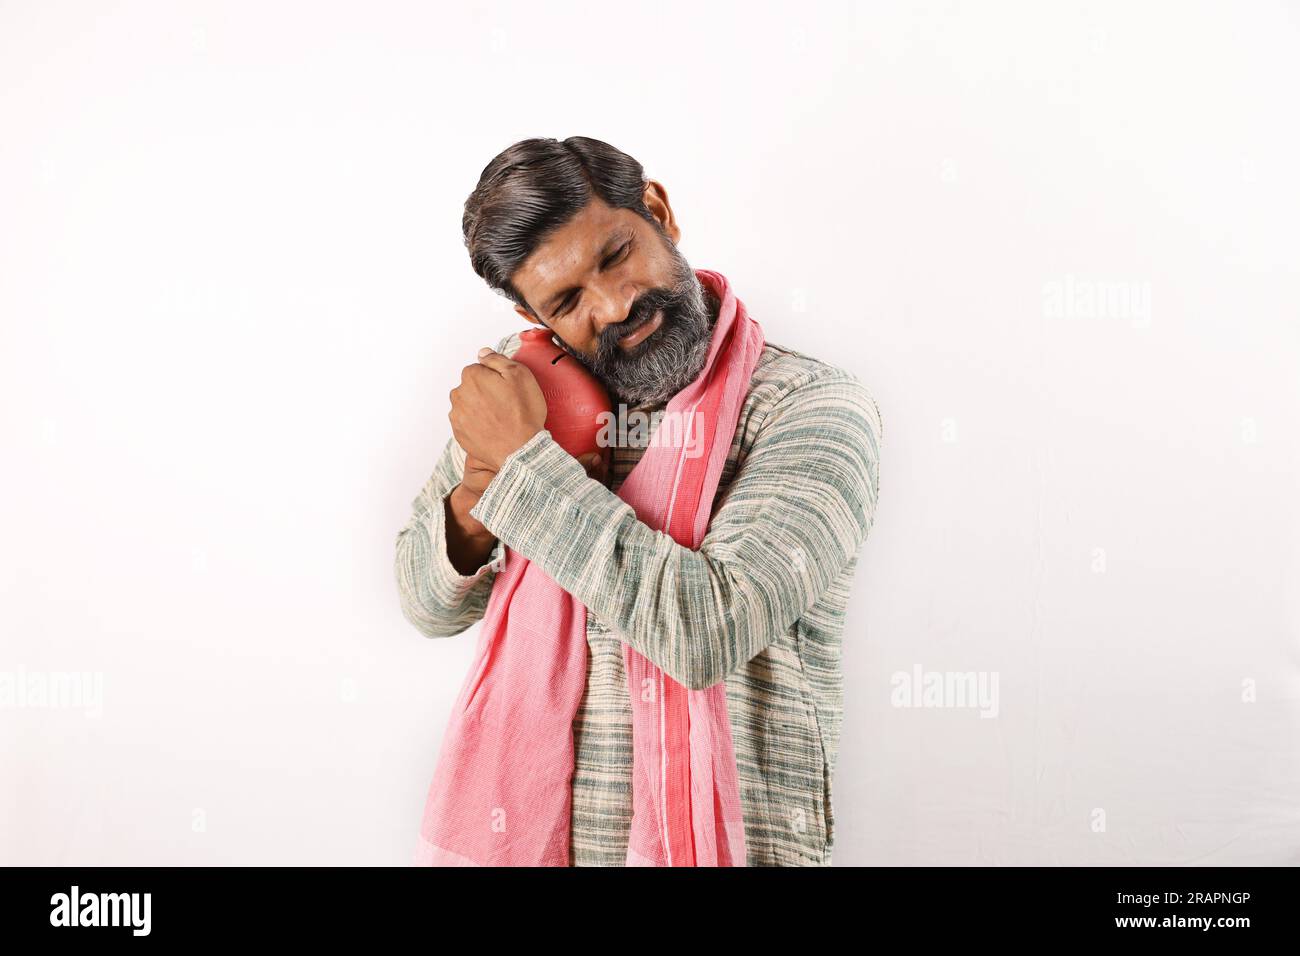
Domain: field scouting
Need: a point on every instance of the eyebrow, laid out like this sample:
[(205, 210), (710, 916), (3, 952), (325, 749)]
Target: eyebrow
[(611, 244)]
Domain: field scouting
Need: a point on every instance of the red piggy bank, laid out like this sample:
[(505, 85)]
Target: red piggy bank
[(577, 405)]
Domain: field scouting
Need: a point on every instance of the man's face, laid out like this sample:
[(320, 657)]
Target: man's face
[(622, 300)]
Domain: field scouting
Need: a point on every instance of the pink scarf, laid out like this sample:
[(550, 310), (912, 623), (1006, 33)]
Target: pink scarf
[(502, 791)]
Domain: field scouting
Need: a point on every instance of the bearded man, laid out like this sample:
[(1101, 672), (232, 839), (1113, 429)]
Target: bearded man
[(586, 246)]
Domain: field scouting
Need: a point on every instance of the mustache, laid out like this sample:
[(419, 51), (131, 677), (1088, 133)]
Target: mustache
[(674, 303), (641, 312)]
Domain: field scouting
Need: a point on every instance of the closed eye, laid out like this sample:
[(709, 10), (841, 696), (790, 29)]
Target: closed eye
[(618, 255), (564, 306)]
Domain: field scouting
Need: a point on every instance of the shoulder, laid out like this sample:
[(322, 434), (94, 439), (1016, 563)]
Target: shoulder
[(509, 345), (817, 427), (786, 380)]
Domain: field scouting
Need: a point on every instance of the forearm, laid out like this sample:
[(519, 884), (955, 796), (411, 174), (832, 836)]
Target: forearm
[(469, 545), (693, 613)]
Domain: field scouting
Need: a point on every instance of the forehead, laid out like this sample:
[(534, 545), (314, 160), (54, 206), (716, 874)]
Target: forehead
[(571, 250)]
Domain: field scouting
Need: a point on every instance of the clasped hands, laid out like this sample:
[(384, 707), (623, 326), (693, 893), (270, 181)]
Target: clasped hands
[(497, 407)]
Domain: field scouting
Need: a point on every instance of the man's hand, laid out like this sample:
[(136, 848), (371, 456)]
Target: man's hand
[(496, 408), (468, 542)]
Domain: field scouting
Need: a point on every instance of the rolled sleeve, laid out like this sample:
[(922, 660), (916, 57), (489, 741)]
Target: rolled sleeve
[(533, 481)]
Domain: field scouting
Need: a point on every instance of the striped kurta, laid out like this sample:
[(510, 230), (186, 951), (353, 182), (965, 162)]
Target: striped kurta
[(760, 605)]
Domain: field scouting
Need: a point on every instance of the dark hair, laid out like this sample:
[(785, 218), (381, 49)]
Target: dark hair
[(533, 188)]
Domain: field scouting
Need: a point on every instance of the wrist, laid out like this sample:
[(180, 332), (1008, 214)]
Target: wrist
[(514, 445)]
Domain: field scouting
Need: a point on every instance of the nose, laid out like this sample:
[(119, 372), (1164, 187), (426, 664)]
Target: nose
[(610, 305)]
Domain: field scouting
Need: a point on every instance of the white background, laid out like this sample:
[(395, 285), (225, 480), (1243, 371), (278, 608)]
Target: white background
[(234, 298)]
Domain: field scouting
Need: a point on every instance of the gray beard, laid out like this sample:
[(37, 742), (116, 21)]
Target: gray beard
[(671, 358)]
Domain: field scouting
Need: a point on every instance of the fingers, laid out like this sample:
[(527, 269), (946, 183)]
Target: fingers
[(494, 360)]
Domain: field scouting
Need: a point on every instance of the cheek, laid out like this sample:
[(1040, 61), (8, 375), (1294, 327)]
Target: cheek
[(583, 341), (586, 339), (650, 269)]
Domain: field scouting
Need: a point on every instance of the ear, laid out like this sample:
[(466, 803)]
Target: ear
[(528, 315), (656, 200)]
